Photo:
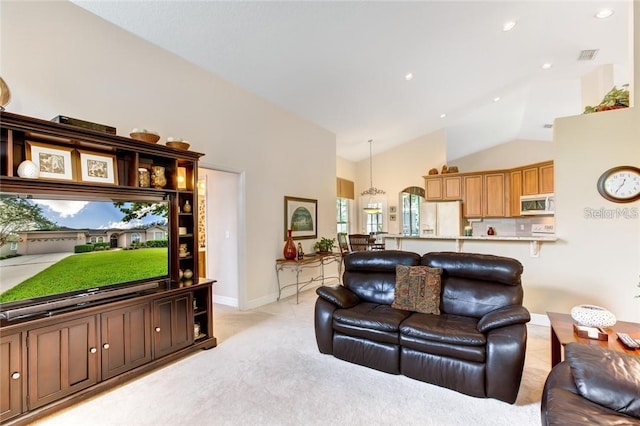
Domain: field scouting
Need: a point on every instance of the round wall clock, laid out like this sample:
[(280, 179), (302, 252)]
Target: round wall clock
[(620, 184)]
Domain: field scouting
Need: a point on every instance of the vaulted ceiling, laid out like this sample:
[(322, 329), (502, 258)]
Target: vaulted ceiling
[(342, 65)]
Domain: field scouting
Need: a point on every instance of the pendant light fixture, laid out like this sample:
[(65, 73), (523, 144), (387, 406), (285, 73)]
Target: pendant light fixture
[(372, 206)]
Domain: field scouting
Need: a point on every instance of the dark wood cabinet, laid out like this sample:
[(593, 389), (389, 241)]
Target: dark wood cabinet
[(125, 339), (11, 376), (51, 359), (63, 358), (173, 324)]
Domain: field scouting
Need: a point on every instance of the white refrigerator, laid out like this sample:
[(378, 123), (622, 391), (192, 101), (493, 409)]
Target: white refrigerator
[(441, 218)]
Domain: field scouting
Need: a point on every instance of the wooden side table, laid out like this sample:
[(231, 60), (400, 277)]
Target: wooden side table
[(562, 333)]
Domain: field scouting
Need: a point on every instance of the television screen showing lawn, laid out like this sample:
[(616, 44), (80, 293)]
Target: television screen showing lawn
[(52, 247)]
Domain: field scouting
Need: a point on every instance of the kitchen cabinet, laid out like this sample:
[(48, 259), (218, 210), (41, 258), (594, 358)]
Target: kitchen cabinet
[(125, 339), (515, 191), (173, 324), (546, 182), (494, 199), (530, 181), (538, 179), (433, 188), (63, 359), (452, 187), (493, 193), (443, 187), (472, 204), (11, 376)]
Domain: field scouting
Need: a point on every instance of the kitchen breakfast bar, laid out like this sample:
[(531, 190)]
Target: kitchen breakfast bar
[(456, 242)]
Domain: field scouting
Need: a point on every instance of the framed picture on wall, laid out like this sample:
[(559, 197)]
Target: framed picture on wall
[(52, 162), (301, 216), (98, 167)]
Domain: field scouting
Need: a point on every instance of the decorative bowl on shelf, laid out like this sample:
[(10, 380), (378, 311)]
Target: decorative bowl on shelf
[(144, 135), (177, 143)]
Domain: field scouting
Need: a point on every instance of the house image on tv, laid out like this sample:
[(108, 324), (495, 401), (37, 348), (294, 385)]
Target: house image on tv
[(64, 240)]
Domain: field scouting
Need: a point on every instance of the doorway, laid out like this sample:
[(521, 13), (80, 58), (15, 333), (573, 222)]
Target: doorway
[(219, 204)]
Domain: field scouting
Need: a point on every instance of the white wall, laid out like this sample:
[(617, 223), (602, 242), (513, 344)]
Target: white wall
[(59, 59), (506, 156)]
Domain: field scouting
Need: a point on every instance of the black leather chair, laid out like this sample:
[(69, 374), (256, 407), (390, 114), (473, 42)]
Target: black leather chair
[(475, 346)]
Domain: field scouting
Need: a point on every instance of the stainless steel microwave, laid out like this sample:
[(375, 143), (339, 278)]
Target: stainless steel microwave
[(537, 204)]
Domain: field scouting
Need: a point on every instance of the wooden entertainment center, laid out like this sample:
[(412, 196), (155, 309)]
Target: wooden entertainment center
[(54, 358)]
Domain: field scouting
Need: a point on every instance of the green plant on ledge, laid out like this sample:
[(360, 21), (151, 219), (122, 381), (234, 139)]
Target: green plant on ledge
[(325, 245), (616, 98)]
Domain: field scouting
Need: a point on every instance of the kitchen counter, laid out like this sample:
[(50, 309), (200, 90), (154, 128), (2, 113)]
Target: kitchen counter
[(533, 240)]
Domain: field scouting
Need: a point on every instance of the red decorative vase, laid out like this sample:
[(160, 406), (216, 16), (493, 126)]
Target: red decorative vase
[(290, 252)]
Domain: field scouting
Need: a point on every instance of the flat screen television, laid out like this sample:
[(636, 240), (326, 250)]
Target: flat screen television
[(60, 253)]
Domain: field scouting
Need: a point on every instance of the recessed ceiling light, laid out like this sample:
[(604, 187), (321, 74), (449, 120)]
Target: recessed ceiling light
[(547, 65), (443, 115), (496, 99), (604, 13), (408, 76), (508, 26)]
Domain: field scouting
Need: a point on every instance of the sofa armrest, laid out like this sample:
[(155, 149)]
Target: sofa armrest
[(502, 317), (339, 296), (606, 377)]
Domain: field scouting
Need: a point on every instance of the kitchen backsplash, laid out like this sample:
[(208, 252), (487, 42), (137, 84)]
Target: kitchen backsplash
[(511, 227)]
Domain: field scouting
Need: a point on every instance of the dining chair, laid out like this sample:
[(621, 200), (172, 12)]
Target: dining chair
[(359, 242), (343, 243)]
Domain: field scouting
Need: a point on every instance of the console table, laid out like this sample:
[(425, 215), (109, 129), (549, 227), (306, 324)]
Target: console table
[(307, 262), (562, 333)]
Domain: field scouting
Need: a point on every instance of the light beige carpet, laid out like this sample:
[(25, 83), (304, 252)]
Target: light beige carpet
[(267, 370)]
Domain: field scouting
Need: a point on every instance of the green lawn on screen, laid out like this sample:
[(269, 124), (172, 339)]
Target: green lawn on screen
[(89, 270)]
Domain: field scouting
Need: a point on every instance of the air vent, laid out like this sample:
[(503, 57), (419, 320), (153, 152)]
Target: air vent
[(548, 126), (587, 55)]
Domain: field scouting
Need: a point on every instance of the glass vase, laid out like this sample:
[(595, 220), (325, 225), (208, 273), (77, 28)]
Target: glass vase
[(290, 252)]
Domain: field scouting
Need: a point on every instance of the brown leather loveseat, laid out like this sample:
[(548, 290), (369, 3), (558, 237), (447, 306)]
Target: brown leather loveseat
[(476, 345)]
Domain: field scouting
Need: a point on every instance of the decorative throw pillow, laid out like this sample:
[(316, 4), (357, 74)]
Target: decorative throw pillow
[(417, 289)]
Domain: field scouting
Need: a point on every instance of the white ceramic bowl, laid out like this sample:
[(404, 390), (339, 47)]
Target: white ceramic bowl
[(28, 169), (592, 316)]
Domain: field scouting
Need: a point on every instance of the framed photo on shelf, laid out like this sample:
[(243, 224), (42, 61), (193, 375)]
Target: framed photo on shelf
[(301, 216), (53, 162), (98, 167)]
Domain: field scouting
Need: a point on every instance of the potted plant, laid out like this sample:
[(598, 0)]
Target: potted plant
[(325, 245), (615, 99)]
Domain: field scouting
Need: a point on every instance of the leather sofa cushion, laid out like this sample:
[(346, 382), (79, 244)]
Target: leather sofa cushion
[(372, 316), (371, 275), (563, 405), (606, 377), (467, 353), (498, 269), (444, 328), (379, 323)]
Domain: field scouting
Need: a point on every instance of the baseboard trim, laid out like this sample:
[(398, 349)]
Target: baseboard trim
[(225, 300), (540, 319)]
